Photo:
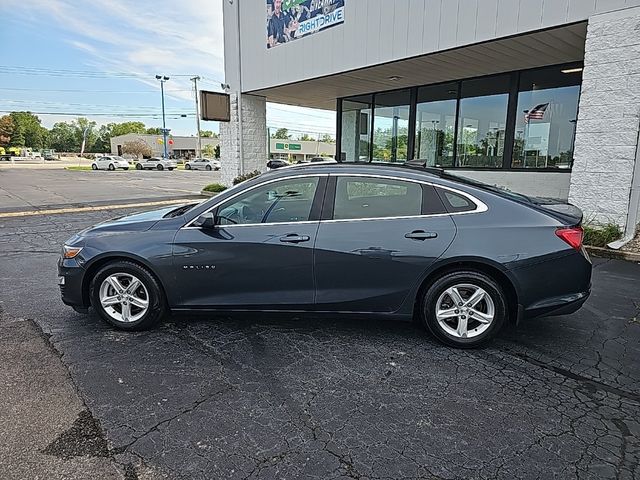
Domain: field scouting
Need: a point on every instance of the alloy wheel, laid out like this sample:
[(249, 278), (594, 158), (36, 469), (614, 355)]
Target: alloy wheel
[(124, 297), (465, 310)]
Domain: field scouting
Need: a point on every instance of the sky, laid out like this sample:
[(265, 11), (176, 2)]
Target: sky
[(99, 59)]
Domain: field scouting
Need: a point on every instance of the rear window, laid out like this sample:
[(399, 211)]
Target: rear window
[(455, 202), (361, 197)]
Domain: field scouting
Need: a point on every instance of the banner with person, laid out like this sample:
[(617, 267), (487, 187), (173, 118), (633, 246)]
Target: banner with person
[(288, 20)]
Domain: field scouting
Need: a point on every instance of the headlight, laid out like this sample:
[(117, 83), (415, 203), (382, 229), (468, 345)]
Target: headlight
[(70, 252)]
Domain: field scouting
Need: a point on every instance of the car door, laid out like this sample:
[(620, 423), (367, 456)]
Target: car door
[(259, 254), (377, 238)]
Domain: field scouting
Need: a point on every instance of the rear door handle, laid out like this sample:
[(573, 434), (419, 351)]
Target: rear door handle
[(420, 235), (295, 238)]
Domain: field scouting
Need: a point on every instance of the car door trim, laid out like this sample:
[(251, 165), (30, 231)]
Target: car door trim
[(480, 205)]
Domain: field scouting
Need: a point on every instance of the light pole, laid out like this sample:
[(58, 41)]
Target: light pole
[(195, 86), (163, 78)]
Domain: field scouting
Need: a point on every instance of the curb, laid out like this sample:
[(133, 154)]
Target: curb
[(614, 254), (208, 194)]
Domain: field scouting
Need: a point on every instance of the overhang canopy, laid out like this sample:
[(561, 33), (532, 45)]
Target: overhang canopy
[(546, 47)]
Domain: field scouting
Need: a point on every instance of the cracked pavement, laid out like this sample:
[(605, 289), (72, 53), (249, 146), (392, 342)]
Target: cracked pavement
[(268, 397)]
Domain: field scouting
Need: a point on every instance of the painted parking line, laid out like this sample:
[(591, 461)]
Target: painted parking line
[(58, 211)]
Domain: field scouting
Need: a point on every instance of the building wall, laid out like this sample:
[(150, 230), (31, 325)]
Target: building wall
[(179, 142), (378, 31), (252, 133), (609, 117)]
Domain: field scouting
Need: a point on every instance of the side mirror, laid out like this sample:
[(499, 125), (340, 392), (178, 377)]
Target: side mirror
[(206, 220)]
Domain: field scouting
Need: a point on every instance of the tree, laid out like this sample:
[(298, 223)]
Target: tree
[(6, 130), (62, 138), (216, 151), (208, 151), (281, 134), (139, 148), (306, 138), (154, 131), (27, 131), (110, 130), (208, 134), (326, 138)]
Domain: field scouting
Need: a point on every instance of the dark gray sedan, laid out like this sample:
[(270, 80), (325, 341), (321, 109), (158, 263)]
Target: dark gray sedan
[(388, 241)]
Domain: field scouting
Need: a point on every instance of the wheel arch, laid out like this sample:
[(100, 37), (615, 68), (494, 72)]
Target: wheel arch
[(481, 265), (99, 262)]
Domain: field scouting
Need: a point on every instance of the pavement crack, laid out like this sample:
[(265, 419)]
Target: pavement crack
[(588, 383)]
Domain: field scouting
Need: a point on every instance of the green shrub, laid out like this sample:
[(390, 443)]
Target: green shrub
[(246, 176), (215, 188), (601, 235)]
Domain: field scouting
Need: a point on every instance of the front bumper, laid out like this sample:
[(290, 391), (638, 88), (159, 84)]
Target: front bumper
[(70, 281)]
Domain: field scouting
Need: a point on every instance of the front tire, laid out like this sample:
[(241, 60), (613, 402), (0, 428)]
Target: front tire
[(160, 167), (464, 309), (127, 296), (208, 168), (111, 167), (138, 166), (187, 167)]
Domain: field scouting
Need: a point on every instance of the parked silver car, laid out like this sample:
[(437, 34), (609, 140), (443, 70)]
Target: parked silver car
[(156, 163), (202, 164), (110, 162)]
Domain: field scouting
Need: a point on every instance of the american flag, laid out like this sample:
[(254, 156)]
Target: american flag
[(536, 113)]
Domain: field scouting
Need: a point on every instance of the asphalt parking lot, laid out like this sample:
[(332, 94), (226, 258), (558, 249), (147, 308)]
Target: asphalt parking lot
[(28, 188), (273, 397)]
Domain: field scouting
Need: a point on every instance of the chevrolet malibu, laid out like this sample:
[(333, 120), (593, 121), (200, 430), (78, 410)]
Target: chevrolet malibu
[(402, 242)]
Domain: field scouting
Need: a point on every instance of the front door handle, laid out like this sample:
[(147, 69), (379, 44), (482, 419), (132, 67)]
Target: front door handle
[(420, 235), (295, 238)]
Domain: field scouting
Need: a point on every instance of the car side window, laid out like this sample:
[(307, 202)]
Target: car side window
[(362, 197), (455, 202), (284, 201)]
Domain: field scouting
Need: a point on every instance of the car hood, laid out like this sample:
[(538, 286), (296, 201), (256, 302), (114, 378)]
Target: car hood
[(136, 222)]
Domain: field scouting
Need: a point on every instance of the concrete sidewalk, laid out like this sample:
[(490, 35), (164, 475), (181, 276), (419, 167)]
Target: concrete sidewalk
[(45, 429)]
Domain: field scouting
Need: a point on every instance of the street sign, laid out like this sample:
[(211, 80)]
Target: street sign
[(215, 106)]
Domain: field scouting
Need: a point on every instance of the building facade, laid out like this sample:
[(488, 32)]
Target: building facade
[(300, 150), (178, 147), (539, 96)]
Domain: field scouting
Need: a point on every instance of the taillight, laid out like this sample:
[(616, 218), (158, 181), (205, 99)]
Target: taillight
[(572, 235)]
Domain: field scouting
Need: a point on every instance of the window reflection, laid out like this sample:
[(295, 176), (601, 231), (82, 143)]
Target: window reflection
[(482, 121), (545, 123), (436, 124), (391, 126), (356, 129)]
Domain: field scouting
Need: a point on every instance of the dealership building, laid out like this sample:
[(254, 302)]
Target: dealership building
[(539, 96)]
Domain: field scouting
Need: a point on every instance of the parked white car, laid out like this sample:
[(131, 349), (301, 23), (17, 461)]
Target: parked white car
[(156, 163), (202, 164), (110, 162)]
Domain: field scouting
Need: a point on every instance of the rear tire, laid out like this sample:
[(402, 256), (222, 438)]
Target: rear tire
[(160, 167), (170, 168), (128, 311), (125, 168), (468, 322), (138, 166)]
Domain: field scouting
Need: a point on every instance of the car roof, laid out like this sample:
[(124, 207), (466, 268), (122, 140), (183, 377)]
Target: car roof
[(399, 169)]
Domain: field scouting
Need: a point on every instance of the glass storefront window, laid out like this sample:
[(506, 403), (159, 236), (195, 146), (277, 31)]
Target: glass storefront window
[(356, 129), (436, 124), (482, 121), (391, 126), (546, 118)]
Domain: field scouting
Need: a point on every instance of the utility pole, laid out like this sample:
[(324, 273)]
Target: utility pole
[(163, 78), (195, 86)]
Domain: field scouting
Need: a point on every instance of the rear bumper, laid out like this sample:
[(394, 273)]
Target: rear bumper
[(563, 305)]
